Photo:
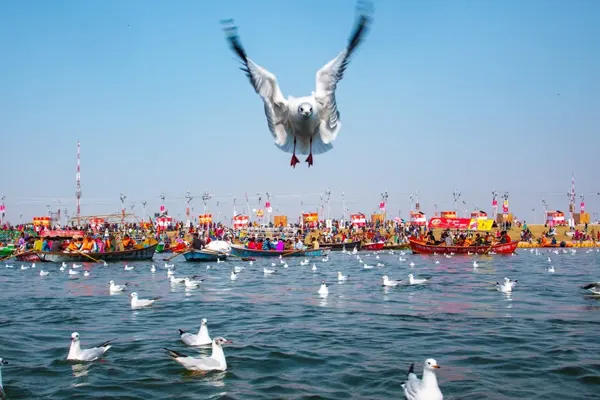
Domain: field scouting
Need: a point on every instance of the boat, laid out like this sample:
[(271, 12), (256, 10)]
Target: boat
[(203, 255), (242, 252), (373, 246), (349, 246), (399, 246), (144, 253), (7, 251), (419, 247)]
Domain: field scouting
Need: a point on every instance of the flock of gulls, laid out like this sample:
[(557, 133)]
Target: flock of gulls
[(414, 388)]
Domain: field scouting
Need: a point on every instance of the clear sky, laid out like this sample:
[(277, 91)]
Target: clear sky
[(475, 95)]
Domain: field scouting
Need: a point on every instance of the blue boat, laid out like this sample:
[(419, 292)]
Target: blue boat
[(239, 251), (204, 255)]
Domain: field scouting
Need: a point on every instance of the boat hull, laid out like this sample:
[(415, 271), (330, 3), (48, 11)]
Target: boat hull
[(500, 248), (203, 256), (340, 246), (402, 246), (244, 252), (145, 253), (373, 246)]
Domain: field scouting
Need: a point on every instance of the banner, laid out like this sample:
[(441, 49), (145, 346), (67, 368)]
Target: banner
[(62, 233), (163, 222), (494, 203), (162, 209), (582, 206), (41, 221), (418, 218), (2, 208), (382, 206), (449, 223), (310, 217), (240, 221), (484, 224), (358, 219), (260, 213), (205, 219), (505, 207)]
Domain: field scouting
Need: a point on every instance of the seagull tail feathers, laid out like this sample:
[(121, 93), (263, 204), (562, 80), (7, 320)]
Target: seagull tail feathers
[(181, 331), (156, 298), (174, 354), (591, 285), (411, 370)]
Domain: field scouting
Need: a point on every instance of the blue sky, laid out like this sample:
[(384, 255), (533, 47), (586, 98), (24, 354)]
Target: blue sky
[(475, 95)]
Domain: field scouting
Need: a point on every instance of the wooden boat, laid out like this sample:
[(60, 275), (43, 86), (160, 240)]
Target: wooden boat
[(419, 247), (144, 253), (203, 255), (242, 252), (400, 246), (340, 246), (373, 246), (7, 251)]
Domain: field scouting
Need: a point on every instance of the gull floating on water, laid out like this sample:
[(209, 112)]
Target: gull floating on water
[(2, 393), (401, 259), (342, 277), (425, 388), (365, 266), (71, 272), (77, 265), (24, 267), (238, 269), (86, 273), (550, 269), (216, 362), (9, 266), (44, 273), (33, 265), (64, 264), (116, 288), (201, 339), (267, 271), (412, 264), (593, 287), (507, 286), (191, 283), (475, 265), (233, 276), (413, 281), (174, 280), (324, 288), (388, 282), (437, 261), (314, 267), (128, 268), (380, 265), (153, 269), (139, 303), (77, 354)]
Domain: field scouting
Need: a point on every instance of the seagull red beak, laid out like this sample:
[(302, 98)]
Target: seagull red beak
[(437, 367)]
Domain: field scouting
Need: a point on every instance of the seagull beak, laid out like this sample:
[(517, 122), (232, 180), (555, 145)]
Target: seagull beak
[(228, 342), (436, 366)]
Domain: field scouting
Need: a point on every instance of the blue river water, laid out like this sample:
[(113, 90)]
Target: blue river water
[(540, 342)]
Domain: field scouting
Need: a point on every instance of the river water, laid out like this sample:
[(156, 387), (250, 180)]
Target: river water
[(540, 342)]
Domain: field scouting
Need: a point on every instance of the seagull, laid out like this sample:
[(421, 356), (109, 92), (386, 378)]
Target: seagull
[(24, 267), (77, 265), (342, 277), (201, 339), (216, 362), (549, 259), (9, 266), (76, 354), (268, 271), (233, 276), (64, 264), (550, 269), (71, 272), (139, 303), (238, 269), (285, 265), (116, 288), (507, 286), (593, 287), (219, 261), (325, 259), (169, 266), (128, 268), (32, 265), (44, 273), (273, 265), (2, 394), (86, 273), (323, 289), (175, 281), (413, 281), (437, 261), (401, 259), (380, 265), (251, 263), (314, 267), (475, 265), (412, 264), (311, 122), (365, 266), (192, 284), (388, 282), (425, 388), (153, 269)]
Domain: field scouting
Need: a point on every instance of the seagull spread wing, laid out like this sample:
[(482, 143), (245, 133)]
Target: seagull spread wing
[(412, 386), (265, 84), (329, 76)]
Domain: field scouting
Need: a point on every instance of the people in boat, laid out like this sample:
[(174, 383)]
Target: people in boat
[(37, 244), (197, 243), (45, 245), (55, 246), (251, 244), (504, 238), (73, 246), (279, 246), (299, 245), (315, 243), (87, 246), (266, 245), (128, 242)]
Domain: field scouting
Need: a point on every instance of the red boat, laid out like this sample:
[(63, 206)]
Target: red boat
[(373, 246), (419, 247)]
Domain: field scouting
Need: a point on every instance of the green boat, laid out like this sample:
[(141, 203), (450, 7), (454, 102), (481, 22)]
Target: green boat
[(7, 251)]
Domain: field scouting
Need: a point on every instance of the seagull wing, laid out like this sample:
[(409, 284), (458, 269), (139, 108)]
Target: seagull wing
[(92, 354), (329, 76), (595, 285), (412, 386), (265, 84)]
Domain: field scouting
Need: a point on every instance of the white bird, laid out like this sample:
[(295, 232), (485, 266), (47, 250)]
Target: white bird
[(44, 273), (91, 354), (169, 266), (128, 268), (325, 259), (425, 388), (208, 267), (285, 265), (401, 259), (64, 264), (377, 257), (71, 272), (153, 269), (268, 271), (593, 287), (307, 124), (549, 259), (233, 276), (342, 277), (380, 265), (219, 261), (139, 303), (448, 256), (238, 269), (116, 288), (507, 286), (189, 283), (216, 362), (201, 339), (170, 272), (86, 273), (32, 265), (437, 261), (251, 262), (413, 281), (365, 266), (24, 267), (77, 265), (175, 281), (323, 289), (314, 267), (475, 265), (550, 269), (9, 266), (273, 265), (2, 393), (388, 282), (412, 264), (63, 268)]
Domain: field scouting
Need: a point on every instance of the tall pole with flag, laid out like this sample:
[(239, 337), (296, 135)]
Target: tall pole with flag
[(2, 210), (188, 199), (572, 196), (78, 187)]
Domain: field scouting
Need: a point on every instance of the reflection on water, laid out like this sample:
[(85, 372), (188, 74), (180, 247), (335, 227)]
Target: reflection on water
[(80, 370)]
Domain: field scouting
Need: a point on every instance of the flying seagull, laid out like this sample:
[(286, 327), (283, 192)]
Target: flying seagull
[(306, 125)]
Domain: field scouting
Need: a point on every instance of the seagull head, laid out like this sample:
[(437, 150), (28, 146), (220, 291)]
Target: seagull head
[(133, 295), (204, 321), (111, 283), (74, 337), (385, 278), (323, 283), (305, 109), (431, 364), (3, 362), (221, 341), (411, 276)]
